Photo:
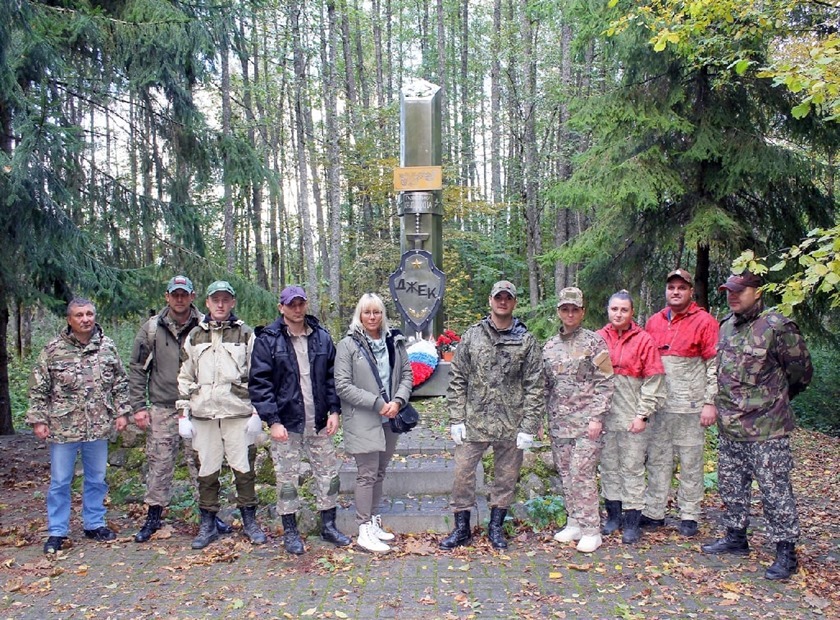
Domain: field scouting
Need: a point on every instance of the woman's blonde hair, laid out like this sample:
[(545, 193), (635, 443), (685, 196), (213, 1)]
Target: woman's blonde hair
[(370, 301)]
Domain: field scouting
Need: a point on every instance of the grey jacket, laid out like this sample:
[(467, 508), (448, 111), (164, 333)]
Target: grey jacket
[(358, 390)]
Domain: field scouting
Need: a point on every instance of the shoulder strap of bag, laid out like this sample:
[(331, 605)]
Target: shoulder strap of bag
[(150, 340), (373, 368)]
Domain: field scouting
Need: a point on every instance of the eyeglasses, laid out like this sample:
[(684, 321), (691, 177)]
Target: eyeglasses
[(372, 312)]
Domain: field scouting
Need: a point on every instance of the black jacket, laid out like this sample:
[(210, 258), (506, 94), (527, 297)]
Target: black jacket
[(274, 382)]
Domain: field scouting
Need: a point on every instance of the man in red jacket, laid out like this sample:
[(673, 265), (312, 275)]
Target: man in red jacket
[(686, 336)]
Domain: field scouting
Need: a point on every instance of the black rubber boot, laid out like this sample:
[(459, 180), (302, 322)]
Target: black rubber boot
[(291, 537), (151, 525), (735, 542), (496, 530), (631, 532), (613, 522), (330, 532), (222, 527), (461, 535), (649, 523), (207, 532), (785, 564), (688, 528), (249, 525)]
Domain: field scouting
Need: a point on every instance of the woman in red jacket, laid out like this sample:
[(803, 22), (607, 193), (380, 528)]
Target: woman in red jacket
[(639, 387)]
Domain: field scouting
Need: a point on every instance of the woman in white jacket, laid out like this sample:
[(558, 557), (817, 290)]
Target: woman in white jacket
[(368, 402)]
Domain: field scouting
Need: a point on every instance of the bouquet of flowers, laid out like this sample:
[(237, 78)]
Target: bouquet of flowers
[(447, 341)]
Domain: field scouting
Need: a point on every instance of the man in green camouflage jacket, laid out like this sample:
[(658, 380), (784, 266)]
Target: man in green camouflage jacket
[(495, 398), (78, 391), (763, 363)]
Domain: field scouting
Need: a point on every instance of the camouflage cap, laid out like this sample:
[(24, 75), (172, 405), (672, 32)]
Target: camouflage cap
[(570, 295), (180, 282), (683, 275), (738, 282), (220, 285), (503, 286)]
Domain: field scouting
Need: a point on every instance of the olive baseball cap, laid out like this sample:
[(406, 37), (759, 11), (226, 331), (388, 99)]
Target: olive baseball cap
[(738, 282), (503, 286), (180, 282), (683, 275), (220, 285), (570, 295)]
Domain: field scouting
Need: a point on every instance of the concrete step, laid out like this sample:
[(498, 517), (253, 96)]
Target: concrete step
[(423, 440), (412, 514), (412, 476)]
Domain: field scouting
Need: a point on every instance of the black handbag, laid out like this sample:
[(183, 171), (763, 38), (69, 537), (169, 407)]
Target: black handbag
[(407, 417)]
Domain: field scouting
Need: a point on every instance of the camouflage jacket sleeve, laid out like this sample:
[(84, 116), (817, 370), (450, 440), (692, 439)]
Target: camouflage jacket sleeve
[(40, 391), (186, 375), (533, 386), (119, 388), (138, 369), (711, 381), (794, 357), (456, 394), (603, 383)]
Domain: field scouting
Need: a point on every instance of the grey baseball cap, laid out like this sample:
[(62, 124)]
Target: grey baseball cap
[(503, 286)]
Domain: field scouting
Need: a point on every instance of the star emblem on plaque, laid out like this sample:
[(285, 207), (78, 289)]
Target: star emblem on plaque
[(417, 288)]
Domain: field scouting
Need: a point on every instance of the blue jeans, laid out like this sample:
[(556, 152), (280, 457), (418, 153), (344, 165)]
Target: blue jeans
[(62, 467)]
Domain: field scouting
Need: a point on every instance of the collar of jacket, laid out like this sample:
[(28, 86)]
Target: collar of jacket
[(68, 335), (232, 321), (750, 315), (514, 333)]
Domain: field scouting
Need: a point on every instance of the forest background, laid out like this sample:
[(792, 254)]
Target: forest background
[(597, 143)]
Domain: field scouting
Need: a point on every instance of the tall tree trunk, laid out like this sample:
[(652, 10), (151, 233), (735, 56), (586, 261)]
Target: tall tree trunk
[(333, 159), (531, 201), (229, 230), (446, 142), (563, 273), (6, 426), (307, 237), (256, 185), (496, 105)]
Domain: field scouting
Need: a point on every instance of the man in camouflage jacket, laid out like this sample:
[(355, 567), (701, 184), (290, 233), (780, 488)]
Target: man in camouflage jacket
[(153, 384), (78, 392), (495, 398), (578, 388), (763, 363)]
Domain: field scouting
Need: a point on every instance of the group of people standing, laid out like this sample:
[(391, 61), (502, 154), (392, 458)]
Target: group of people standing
[(626, 400), (209, 383), (623, 399)]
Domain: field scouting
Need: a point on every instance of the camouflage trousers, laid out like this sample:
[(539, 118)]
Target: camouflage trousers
[(507, 461), (623, 463), (683, 435), (576, 460), (770, 463), (320, 452), (162, 442)]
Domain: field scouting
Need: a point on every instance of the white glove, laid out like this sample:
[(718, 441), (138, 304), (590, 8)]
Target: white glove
[(254, 428), (458, 432), (524, 441), (185, 428)]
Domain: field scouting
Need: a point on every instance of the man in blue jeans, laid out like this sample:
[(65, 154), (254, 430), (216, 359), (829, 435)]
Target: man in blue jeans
[(78, 390)]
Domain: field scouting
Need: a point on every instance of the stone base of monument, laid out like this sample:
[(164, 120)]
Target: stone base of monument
[(417, 486), (437, 384)]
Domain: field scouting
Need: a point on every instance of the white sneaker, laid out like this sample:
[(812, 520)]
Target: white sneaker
[(568, 534), (589, 543), (368, 540), (376, 523)]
